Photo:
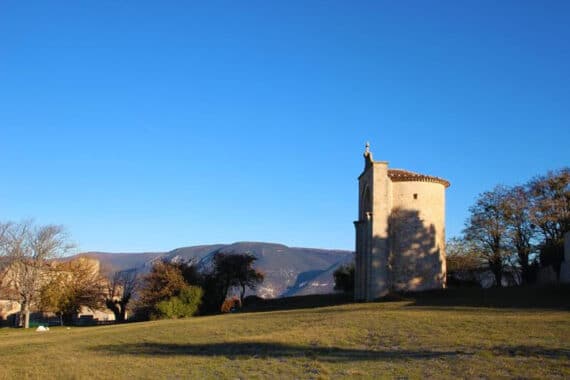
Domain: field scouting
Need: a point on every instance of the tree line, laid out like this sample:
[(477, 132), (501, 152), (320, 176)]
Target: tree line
[(181, 289), (35, 272), (518, 228)]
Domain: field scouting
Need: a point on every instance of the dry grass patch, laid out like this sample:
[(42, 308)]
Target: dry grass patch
[(355, 340)]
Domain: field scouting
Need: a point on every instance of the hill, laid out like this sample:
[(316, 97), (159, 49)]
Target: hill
[(373, 340), (289, 271)]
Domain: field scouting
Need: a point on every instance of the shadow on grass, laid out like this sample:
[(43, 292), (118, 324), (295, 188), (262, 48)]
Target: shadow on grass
[(532, 351), (264, 350), (523, 297), (556, 297), (271, 350), (256, 305)]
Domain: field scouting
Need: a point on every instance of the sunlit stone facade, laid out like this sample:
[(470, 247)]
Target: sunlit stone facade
[(400, 231)]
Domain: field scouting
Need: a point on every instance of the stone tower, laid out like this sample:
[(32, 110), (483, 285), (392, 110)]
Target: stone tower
[(400, 231)]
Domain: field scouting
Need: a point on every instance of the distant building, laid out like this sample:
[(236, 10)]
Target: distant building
[(400, 231), (88, 269)]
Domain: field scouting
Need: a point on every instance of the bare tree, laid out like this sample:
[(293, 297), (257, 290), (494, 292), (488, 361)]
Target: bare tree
[(4, 227), (462, 256), (486, 228), (5, 291), (4, 238), (520, 230), (550, 212), (28, 249), (121, 288), (463, 263), (550, 209)]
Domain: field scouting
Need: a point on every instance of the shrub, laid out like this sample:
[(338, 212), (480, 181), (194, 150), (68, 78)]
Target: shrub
[(552, 253), (184, 305), (344, 278), (230, 304), (164, 281)]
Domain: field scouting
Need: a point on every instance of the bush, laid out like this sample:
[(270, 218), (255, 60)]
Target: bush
[(552, 253), (184, 305), (344, 278), (231, 304)]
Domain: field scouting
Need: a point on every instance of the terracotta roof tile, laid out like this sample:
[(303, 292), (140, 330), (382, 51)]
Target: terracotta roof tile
[(399, 175)]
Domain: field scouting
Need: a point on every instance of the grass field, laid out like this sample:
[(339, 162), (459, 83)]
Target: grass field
[(409, 339)]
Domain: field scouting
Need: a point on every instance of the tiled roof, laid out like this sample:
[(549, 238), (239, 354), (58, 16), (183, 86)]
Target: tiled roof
[(399, 175)]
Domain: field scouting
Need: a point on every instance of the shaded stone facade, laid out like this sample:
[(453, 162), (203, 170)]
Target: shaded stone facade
[(400, 231)]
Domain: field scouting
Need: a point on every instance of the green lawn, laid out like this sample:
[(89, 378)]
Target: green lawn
[(386, 340)]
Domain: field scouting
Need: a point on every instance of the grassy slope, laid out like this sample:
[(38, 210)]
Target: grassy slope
[(389, 339)]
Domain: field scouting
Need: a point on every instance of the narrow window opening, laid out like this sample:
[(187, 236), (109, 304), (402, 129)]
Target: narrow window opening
[(366, 205), (415, 195)]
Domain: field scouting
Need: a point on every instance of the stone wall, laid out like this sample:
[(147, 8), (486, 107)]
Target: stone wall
[(400, 231), (371, 276), (417, 236)]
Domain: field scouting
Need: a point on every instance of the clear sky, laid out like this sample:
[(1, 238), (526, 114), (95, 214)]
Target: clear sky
[(150, 125)]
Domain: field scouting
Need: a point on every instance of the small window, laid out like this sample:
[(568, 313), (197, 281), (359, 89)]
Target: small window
[(415, 195)]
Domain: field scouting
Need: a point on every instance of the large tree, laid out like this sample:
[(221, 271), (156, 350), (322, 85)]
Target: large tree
[(71, 285), (28, 249), (521, 232), (550, 209), (120, 290), (461, 256), (550, 212), (165, 280), (486, 229), (235, 270)]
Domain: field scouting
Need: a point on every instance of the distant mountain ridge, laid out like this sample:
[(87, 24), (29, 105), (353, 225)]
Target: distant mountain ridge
[(289, 271)]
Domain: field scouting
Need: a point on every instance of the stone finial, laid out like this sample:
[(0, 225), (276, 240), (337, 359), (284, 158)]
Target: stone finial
[(368, 160)]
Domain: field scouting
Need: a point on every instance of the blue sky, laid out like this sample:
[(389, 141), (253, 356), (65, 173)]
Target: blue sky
[(152, 125)]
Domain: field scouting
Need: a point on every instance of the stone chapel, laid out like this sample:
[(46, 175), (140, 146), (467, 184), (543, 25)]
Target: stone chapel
[(400, 231)]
